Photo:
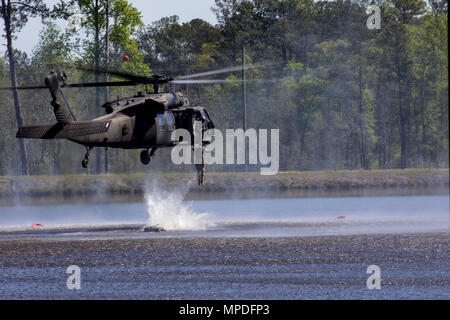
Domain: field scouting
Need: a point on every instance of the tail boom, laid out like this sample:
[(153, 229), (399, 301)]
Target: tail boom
[(60, 131)]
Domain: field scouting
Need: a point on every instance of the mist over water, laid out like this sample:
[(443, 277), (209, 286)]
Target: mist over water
[(262, 217), (167, 209)]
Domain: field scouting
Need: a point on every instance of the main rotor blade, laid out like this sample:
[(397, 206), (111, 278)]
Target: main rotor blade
[(79, 85), (224, 70), (154, 79), (100, 84), (215, 81), (23, 88)]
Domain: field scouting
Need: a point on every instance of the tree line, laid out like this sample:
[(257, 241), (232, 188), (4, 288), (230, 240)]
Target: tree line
[(343, 96)]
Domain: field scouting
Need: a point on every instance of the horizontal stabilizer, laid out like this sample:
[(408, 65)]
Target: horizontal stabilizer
[(61, 131)]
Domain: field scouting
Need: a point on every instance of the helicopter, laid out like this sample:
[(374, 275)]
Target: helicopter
[(144, 121)]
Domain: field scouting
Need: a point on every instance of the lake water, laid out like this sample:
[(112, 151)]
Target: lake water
[(233, 217), (279, 248)]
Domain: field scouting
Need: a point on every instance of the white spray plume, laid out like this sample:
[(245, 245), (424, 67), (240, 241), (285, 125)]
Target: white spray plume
[(166, 209)]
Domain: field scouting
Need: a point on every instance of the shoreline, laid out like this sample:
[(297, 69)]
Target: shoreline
[(223, 185)]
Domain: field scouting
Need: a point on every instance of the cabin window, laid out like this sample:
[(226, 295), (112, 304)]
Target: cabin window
[(161, 123), (170, 120)]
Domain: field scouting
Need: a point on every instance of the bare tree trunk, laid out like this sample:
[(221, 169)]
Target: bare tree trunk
[(424, 142), (302, 147), (418, 158), (56, 149), (97, 78), (403, 144), (106, 74), (362, 135), (6, 12), (442, 134)]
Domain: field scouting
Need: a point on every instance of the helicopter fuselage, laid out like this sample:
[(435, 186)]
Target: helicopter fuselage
[(138, 123)]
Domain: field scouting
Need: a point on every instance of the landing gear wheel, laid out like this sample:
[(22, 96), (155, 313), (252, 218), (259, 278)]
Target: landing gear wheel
[(145, 157), (85, 163)]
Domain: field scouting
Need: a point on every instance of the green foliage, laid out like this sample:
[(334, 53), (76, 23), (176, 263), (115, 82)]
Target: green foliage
[(174, 48), (343, 96), (53, 47)]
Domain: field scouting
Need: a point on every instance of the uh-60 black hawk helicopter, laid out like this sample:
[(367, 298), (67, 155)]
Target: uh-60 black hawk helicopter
[(145, 121)]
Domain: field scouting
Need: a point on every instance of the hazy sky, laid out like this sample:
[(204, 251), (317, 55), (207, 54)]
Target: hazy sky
[(151, 10)]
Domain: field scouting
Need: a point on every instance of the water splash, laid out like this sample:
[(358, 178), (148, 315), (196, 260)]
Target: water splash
[(167, 209)]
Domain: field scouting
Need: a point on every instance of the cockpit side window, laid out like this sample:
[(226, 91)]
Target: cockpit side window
[(203, 114)]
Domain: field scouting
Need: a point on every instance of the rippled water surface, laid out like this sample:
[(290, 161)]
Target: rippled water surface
[(287, 248), (236, 218)]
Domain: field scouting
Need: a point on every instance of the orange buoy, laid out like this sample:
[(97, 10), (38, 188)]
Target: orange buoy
[(34, 225)]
